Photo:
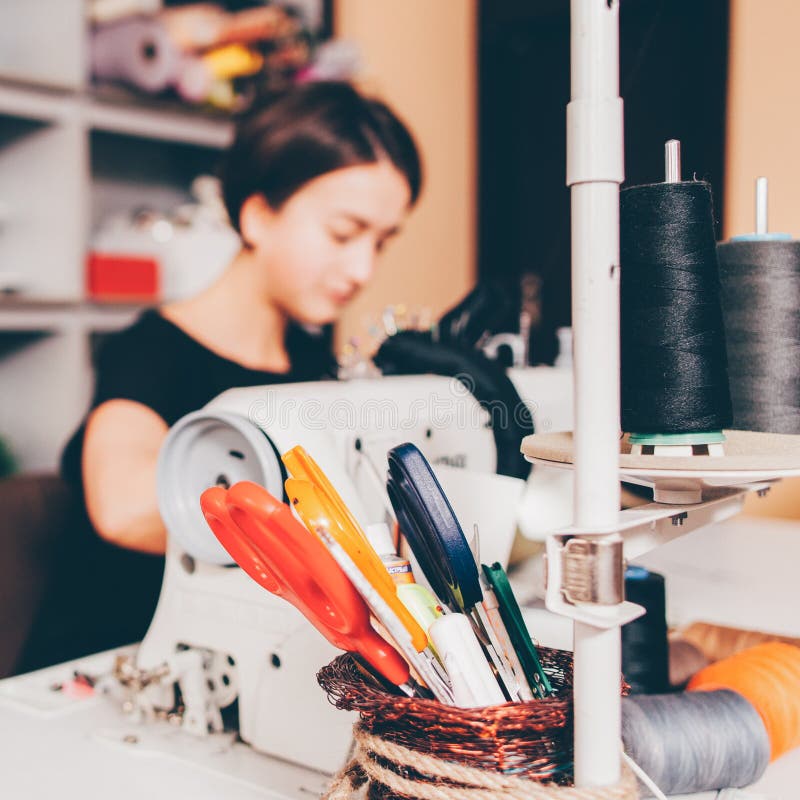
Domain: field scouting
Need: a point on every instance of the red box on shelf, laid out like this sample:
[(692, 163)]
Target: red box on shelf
[(116, 277)]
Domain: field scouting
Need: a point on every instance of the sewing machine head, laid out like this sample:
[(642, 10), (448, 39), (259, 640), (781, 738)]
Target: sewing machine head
[(254, 647)]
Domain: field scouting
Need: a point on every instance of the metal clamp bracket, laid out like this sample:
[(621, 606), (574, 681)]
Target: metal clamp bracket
[(592, 571), (586, 580)]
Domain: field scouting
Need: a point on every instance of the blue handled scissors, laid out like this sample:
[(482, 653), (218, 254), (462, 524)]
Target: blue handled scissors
[(434, 534), (429, 523)]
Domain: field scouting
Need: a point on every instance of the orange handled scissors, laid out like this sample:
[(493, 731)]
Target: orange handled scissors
[(275, 550)]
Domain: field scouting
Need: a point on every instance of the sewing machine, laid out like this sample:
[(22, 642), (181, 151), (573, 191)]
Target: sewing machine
[(218, 636)]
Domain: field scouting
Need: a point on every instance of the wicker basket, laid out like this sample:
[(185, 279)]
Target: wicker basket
[(414, 742)]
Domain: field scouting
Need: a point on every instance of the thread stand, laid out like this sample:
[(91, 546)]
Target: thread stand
[(585, 561), (752, 462), (686, 487), (595, 171), (646, 527)]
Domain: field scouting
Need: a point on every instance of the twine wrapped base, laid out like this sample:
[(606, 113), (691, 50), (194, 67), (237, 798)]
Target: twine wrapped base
[(380, 770), (531, 740), (412, 748)]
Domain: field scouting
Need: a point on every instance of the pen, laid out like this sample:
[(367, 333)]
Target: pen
[(473, 683)]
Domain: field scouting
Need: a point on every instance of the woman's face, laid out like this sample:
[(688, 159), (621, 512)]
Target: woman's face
[(320, 247)]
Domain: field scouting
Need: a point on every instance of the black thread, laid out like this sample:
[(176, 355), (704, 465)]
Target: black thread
[(674, 370), (761, 307), (645, 652)]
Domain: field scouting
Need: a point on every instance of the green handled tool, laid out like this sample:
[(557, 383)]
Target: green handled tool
[(517, 630)]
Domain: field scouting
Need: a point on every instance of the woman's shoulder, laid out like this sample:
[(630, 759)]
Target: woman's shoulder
[(150, 340), (149, 329), (141, 362)]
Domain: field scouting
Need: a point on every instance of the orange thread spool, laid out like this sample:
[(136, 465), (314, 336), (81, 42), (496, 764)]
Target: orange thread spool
[(768, 676)]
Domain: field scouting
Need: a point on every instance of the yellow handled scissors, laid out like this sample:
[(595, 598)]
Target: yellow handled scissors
[(382, 601), (319, 504)]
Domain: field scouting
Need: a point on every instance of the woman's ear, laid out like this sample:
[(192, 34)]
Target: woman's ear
[(254, 220)]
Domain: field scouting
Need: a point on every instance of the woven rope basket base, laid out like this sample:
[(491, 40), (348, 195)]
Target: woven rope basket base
[(415, 749)]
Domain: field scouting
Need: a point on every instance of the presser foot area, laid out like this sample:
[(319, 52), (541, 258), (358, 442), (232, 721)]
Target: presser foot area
[(95, 749)]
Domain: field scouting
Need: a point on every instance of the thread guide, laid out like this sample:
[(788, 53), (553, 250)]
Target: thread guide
[(672, 161), (761, 206)]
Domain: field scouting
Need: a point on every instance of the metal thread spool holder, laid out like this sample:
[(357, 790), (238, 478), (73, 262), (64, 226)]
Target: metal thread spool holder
[(595, 170)]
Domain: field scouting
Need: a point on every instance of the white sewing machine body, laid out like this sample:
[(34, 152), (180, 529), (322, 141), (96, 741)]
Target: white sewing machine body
[(256, 647)]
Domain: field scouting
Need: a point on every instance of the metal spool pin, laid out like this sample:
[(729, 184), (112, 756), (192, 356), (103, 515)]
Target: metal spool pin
[(762, 191)]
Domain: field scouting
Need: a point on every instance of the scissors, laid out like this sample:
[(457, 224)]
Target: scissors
[(275, 550), (431, 527), (323, 511), (428, 521), (317, 502)]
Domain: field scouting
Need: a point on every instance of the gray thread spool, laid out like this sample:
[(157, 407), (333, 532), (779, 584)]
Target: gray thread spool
[(695, 741), (761, 307), (760, 278)]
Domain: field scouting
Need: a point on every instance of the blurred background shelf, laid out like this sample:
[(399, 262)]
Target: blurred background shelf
[(35, 102), (72, 156), (46, 351), (44, 42), (164, 124), (20, 315), (161, 121)]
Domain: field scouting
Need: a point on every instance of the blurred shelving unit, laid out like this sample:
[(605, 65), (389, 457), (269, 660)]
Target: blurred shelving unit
[(160, 124), (69, 157)]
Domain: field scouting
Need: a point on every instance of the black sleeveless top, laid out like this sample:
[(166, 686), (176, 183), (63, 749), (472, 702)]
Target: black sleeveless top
[(103, 596)]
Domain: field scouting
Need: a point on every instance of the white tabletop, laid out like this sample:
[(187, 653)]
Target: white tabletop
[(741, 573)]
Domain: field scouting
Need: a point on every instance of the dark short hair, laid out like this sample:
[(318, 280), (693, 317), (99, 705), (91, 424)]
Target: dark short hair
[(303, 132)]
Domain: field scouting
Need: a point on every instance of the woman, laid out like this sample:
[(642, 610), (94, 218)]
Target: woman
[(317, 182)]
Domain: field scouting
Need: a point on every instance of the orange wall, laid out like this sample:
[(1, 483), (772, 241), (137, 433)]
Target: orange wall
[(763, 116), (420, 56)]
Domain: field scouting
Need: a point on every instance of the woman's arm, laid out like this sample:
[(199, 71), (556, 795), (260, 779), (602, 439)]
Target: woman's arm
[(120, 451)]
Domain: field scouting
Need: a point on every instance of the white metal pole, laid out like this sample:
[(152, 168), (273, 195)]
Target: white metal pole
[(594, 172)]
